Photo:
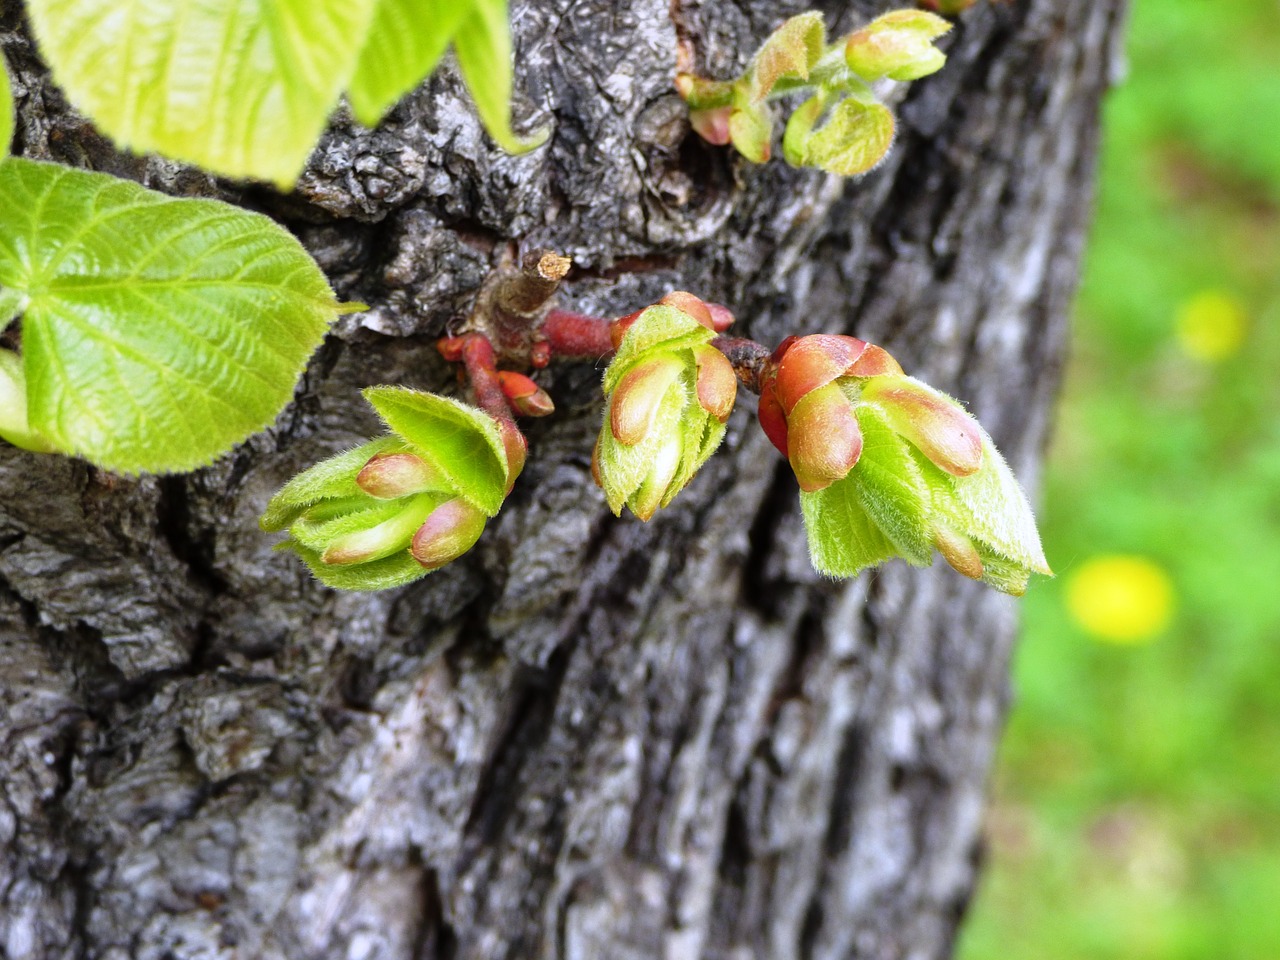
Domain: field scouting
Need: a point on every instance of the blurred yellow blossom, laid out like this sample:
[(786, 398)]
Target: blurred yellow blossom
[(1211, 325), (1121, 599)]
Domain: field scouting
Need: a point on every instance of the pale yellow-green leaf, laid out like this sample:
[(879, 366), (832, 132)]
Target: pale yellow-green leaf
[(462, 442), (156, 332), (331, 478), (791, 52), (853, 140), (241, 87), (405, 42), (483, 46)]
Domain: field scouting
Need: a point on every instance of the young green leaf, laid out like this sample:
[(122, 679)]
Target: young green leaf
[(393, 571), (405, 42), (795, 139), (843, 540), (157, 332), (890, 488), (898, 45), (790, 52), (751, 130), (994, 509), (461, 442), (853, 140), (483, 46), (6, 110), (332, 478), (242, 89)]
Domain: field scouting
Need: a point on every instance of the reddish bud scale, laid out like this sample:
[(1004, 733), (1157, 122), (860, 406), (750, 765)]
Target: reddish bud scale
[(638, 396), (812, 362), (525, 396), (690, 305), (721, 317), (450, 531), (716, 384), (712, 125), (618, 328), (936, 426), (803, 410), (389, 476), (823, 438)]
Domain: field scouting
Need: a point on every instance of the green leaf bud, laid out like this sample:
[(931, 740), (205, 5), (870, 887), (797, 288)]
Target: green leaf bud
[(668, 393), (889, 467), (396, 508), (898, 45)]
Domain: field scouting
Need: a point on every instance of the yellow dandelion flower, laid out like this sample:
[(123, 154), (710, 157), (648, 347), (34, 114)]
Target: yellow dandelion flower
[(1120, 599), (1211, 326)]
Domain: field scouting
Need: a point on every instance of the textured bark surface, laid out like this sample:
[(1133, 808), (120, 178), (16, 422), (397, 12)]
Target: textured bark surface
[(590, 737)]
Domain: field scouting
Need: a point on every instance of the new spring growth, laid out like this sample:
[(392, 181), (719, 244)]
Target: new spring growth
[(394, 509), (842, 127), (889, 467), (668, 393)]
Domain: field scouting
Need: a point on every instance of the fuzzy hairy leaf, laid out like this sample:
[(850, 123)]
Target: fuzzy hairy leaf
[(843, 540), (624, 469), (853, 140), (460, 441), (157, 332), (891, 489), (393, 571), (242, 89), (335, 477), (997, 510), (751, 131), (790, 52), (483, 47), (659, 326), (406, 40)]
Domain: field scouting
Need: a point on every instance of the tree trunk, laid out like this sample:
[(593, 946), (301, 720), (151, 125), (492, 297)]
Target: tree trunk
[(590, 737)]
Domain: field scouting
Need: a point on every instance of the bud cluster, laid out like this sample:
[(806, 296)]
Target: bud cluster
[(888, 466), (396, 508), (668, 393), (858, 130)]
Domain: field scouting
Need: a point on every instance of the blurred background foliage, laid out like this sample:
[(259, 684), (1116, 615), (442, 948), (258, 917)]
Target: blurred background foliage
[(1137, 799)]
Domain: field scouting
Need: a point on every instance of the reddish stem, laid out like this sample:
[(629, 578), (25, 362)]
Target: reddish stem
[(478, 358), (577, 335)]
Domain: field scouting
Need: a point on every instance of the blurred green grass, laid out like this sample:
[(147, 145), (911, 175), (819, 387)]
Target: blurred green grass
[(1137, 801)]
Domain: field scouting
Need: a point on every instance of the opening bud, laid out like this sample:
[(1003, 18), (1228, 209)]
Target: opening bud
[(898, 45)]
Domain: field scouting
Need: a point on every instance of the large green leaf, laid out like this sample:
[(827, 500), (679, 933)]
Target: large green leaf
[(157, 332), (6, 110), (242, 87), (460, 441), (483, 46), (405, 42)]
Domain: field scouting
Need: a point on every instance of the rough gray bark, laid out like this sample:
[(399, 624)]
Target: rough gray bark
[(590, 737)]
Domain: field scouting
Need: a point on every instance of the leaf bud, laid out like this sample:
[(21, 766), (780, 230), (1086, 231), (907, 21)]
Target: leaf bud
[(898, 45), (393, 509), (668, 393), (889, 467)]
